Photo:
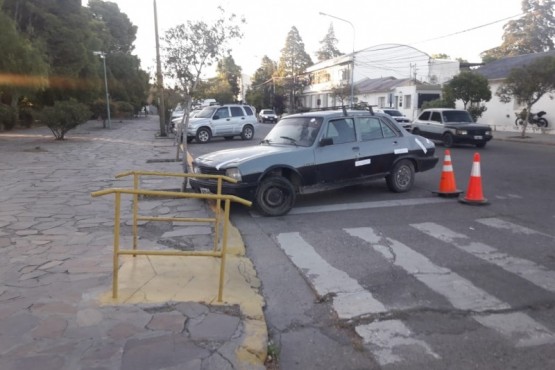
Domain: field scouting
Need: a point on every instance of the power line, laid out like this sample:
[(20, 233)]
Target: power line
[(468, 29)]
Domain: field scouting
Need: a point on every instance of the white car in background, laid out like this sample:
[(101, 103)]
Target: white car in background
[(397, 116)]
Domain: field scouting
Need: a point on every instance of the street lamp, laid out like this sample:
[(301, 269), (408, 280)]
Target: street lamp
[(353, 57), (103, 57)]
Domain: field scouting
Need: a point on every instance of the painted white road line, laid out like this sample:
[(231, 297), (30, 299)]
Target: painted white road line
[(506, 225), (386, 339), (460, 292), (351, 299), (526, 269), (367, 205)]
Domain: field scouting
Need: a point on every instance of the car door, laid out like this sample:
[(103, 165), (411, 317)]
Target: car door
[(221, 122), (379, 146), (337, 152), (436, 126), (238, 119)]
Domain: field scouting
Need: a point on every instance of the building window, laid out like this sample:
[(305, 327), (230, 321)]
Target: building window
[(381, 101)]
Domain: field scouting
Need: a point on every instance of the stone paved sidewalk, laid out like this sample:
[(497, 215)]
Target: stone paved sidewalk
[(56, 261)]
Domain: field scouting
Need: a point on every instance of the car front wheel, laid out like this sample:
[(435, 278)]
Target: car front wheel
[(275, 196), (247, 133), (447, 140), (401, 178), (203, 135)]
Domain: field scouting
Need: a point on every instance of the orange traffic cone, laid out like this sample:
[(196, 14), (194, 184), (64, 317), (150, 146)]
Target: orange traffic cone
[(447, 185), (474, 194)]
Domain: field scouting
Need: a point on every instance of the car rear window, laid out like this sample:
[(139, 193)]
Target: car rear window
[(248, 110)]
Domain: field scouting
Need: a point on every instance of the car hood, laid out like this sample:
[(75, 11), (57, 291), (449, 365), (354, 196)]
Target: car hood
[(226, 158)]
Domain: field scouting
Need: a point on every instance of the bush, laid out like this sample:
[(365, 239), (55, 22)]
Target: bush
[(438, 103), (98, 108), (64, 116), (26, 116), (7, 117), (476, 111), (125, 109)]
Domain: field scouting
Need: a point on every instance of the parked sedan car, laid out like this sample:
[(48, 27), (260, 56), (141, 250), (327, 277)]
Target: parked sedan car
[(317, 151), (451, 126), (396, 115), (225, 121), (267, 115)]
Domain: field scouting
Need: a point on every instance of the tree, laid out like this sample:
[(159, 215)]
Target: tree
[(528, 84), (470, 87), (22, 63), (342, 93), (115, 28), (532, 33), (230, 72), (294, 60), (262, 91), (328, 50), (191, 47), (440, 56)]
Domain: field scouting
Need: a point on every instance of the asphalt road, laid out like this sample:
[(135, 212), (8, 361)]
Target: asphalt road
[(362, 278)]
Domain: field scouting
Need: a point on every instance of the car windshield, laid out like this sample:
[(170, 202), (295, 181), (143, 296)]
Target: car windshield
[(457, 116), (394, 113), (268, 111), (301, 131), (206, 112)]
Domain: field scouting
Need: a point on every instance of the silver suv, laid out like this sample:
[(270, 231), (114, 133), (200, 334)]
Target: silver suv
[(226, 121)]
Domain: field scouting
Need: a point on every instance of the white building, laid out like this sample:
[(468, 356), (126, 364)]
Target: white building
[(501, 116), (391, 75)]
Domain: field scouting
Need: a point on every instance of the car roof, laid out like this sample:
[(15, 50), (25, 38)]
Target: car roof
[(337, 113)]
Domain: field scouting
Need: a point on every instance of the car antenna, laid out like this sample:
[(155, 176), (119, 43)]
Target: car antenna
[(344, 110)]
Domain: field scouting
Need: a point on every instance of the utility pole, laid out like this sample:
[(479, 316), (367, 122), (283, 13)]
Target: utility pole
[(159, 80)]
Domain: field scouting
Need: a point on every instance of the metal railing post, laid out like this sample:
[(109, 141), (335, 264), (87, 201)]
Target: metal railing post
[(116, 245)]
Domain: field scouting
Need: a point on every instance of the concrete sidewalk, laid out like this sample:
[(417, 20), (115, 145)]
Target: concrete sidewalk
[(56, 310)]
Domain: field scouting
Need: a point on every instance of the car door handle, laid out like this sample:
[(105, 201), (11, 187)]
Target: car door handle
[(356, 148)]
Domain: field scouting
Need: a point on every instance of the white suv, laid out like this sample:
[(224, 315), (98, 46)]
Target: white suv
[(222, 121), (267, 115)]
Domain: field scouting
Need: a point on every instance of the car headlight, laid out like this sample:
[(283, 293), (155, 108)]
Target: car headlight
[(196, 169), (234, 173), (462, 132)]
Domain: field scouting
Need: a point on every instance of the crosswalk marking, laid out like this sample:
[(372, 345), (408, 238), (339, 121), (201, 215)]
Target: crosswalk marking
[(506, 225), (531, 271), (351, 300), (460, 292)]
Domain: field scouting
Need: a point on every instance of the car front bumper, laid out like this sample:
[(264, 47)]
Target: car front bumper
[(241, 190)]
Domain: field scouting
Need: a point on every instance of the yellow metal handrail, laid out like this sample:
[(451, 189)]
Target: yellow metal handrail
[(136, 192)]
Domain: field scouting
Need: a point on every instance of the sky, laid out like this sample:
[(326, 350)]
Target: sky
[(458, 28)]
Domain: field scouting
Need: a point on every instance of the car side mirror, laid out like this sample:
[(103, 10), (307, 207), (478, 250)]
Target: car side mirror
[(326, 141)]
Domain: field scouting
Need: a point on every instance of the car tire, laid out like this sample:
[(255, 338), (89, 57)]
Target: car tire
[(275, 196), (542, 122), (203, 135), (401, 178), (447, 139), (247, 133), (415, 131)]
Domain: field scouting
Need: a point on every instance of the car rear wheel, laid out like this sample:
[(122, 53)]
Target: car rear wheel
[(275, 196), (401, 178), (415, 131), (247, 133), (203, 135), (447, 140)]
